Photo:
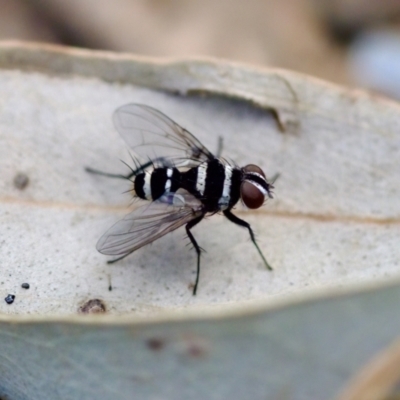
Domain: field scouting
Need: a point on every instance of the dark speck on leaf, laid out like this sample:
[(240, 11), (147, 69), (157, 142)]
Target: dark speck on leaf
[(21, 181), (10, 298), (155, 344)]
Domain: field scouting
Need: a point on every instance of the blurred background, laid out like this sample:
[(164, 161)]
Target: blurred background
[(352, 42)]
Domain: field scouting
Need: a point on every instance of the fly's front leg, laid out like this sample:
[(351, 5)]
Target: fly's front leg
[(119, 258), (233, 218), (189, 226)]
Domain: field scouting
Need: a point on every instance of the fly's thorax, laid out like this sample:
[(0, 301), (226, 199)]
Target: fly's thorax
[(231, 187), (215, 183), (236, 181)]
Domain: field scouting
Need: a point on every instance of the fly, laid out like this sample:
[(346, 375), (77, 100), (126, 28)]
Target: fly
[(182, 183)]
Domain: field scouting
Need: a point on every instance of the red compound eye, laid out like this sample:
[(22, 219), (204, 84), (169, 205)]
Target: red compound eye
[(251, 195), (254, 186)]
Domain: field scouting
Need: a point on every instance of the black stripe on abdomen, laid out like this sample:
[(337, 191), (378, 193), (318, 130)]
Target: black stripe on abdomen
[(157, 182), (189, 180), (139, 185), (175, 180)]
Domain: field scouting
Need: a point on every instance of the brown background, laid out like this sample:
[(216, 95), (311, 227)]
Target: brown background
[(310, 36)]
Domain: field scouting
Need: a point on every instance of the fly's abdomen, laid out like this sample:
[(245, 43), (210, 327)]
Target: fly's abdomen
[(151, 185)]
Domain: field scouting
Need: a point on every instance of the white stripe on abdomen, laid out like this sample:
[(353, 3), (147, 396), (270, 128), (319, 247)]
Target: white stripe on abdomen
[(147, 185), (223, 202), (168, 183)]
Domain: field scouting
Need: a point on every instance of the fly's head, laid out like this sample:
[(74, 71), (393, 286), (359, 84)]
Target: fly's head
[(254, 187)]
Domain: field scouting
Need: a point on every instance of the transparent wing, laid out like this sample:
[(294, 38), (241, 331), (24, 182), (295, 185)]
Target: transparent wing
[(148, 223), (154, 136)]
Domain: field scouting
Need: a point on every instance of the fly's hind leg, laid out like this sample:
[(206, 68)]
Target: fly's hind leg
[(233, 218), (139, 169), (189, 226), (120, 176)]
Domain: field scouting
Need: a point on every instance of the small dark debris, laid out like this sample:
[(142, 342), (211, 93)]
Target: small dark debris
[(25, 286), (94, 306), (196, 347), (155, 344), (21, 181), (10, 298), (196, 351)]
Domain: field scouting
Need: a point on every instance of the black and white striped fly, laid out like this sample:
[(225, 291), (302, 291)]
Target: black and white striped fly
[(182, 182)]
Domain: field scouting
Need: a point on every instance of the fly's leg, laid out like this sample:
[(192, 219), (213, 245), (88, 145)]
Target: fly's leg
[(219, 146), (139, 169), (97, 172), (189, 226), (233, 218)]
